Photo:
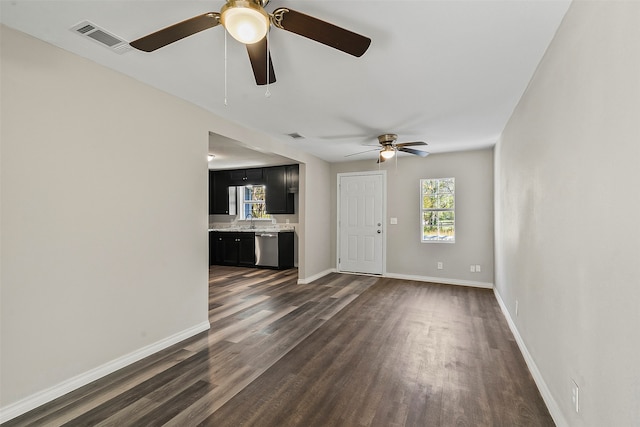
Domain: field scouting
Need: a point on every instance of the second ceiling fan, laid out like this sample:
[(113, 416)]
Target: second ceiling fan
[(389, 147), (248, 22)]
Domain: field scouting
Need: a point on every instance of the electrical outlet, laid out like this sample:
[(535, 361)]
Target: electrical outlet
[(472, 268), (575, 395), (478, 268), (439, 265), (516, 308)]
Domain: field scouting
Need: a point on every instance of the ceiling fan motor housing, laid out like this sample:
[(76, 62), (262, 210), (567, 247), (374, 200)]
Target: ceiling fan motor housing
[(387, 138)]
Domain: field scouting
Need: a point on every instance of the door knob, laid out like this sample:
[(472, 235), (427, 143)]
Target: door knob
[(379, 231)]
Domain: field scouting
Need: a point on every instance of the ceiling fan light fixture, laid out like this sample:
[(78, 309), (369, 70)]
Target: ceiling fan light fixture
[(387, 152), (245, 20)]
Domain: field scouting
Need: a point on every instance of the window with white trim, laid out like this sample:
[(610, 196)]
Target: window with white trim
[(251, 200), (437, 210)]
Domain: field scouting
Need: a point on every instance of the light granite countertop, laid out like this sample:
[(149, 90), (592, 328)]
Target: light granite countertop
[(257, 229)]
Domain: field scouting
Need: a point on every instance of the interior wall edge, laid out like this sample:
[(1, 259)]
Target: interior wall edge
[(310, 279)]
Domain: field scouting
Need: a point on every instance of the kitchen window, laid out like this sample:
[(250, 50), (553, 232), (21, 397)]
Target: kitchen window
[(251, 200), (437, 210)]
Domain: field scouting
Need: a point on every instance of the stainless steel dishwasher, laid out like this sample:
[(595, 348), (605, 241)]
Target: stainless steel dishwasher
[(267, 249)]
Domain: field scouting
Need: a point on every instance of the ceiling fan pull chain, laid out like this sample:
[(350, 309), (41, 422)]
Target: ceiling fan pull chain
[(225, 68), (267, 94), (396, 156)]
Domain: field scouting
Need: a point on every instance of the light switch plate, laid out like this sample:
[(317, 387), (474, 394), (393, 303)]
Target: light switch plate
[(393, 221)]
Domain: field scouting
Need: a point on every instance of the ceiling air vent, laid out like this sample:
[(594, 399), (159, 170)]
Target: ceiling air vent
[(295, 135), (101, 36)]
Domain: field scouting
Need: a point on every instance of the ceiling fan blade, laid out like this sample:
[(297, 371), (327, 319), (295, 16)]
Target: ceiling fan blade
[(412, 151), (362, 152), (410, 144), (258, 57), (176, 32), (321, 31)]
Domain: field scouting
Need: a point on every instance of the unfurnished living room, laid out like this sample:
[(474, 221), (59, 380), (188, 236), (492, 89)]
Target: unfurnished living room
[(320, 213)]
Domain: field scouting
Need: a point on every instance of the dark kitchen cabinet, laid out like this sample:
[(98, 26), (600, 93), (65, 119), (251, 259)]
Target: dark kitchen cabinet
[(246, 176), (233, 249), (281, 182), (280, 189), (212, 248), (219, 193), (292, 178), (285, 249)]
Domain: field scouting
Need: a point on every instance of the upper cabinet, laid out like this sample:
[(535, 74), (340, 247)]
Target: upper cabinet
[(253, 176), (220, 194), (282, 183)]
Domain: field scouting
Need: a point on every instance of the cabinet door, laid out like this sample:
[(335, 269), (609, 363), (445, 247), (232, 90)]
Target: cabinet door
[(236, 177), (254, 176), (230, 243), (218, 193), (285, 249), (278, 199), (218, 248), (225, 248), (292, 178), (246, 250)]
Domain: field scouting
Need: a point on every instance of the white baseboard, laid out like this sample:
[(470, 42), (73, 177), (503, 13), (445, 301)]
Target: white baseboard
[(443, 280), (40, 398), (310, 279), (551, 403)]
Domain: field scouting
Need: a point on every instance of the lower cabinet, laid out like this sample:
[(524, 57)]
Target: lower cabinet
[(232, 249), (239, 249)]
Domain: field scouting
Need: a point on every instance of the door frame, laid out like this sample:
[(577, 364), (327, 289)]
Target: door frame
[(383, 174)]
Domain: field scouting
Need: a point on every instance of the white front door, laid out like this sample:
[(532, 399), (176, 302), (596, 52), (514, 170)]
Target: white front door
[(360, 222)]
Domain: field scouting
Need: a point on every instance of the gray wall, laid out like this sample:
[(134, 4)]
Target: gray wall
[(104, 219), (567, 216), (407, 256)]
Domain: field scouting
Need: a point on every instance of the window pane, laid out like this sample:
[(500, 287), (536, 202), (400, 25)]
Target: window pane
[(429, 202), (446, 217), (445, 201), (430, 218), (430, 233), (254, 193), (429, 186), (446, 185)]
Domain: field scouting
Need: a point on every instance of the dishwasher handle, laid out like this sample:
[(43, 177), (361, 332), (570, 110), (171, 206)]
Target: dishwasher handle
[(266, 235)]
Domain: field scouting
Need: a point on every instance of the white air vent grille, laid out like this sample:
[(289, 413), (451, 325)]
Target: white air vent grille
[(101, 36), (295, 135)]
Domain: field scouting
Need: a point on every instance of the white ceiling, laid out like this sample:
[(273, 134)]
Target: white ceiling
[(232, 154), (446, 72)]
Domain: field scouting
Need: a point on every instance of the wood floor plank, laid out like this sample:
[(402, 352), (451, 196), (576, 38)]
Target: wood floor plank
[(345, 350)]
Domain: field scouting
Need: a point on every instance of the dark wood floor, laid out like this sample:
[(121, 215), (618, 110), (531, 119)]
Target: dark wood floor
[(343, 351)]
